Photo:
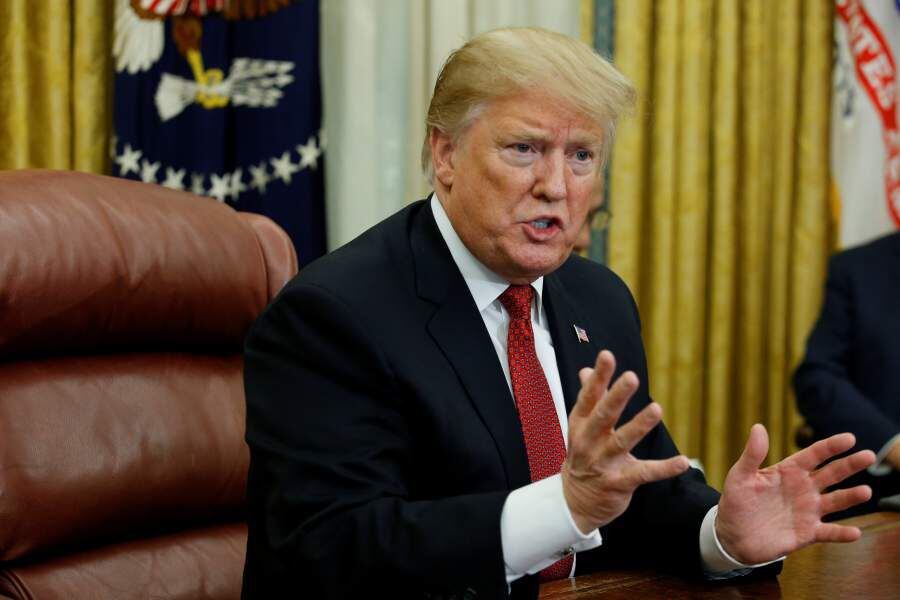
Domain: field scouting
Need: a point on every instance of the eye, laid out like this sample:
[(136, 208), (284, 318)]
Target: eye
[(583, 155), (522, 147)]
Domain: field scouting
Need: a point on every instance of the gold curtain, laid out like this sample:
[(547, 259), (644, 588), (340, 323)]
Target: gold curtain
[(719, 187), (55, 84)]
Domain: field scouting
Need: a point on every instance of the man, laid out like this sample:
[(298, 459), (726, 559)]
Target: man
[(452, 405), (849, 380), (582, 243)]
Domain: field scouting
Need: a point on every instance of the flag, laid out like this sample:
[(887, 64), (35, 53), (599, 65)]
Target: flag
[(581, 334), (222, 98), (865, 141)]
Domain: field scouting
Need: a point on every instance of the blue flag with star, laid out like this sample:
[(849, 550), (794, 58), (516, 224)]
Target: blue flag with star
[(222, 98)]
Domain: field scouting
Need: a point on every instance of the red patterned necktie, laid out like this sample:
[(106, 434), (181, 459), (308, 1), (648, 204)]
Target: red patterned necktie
[(540, 424)]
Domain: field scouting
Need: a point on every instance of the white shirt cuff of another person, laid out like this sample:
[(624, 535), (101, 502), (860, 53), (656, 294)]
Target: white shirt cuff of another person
[(717, 563), (536, 529), (882, 466)]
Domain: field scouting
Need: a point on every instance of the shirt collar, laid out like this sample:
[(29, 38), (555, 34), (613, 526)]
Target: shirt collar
[(485, 285)]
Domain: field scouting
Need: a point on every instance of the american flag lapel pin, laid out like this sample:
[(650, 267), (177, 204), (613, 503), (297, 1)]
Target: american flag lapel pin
[(581, 334)]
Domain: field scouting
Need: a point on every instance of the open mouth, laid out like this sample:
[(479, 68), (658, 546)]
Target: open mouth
[(542, 229)]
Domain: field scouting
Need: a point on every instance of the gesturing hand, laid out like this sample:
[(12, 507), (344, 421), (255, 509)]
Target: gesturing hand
[(767, 513), (599, 474)]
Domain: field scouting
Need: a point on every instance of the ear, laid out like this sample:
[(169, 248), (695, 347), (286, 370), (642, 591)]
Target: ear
[(442, 149)]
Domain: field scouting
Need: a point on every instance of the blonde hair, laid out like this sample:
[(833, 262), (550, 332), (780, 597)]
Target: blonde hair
[(503, 62)]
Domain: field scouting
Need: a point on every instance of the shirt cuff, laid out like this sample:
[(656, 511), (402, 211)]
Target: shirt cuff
[(882, 467), (537, 529), (717, 563)]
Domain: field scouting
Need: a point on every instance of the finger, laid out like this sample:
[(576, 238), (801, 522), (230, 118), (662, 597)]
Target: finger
[(841, 499), (832, 532), (843, 468), (647, 471), (813, 456), (607, 411), (594, 383), (754, 451), (610, 407), (584, 375), (628, 435)]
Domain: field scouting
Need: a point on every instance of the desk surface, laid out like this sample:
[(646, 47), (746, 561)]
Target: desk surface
[(867, 568)]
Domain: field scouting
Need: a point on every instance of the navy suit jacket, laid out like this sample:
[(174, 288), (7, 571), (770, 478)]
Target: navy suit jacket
[(384, 439), (850, 377)]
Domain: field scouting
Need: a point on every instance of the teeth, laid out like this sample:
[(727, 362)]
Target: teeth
[(541, 223)]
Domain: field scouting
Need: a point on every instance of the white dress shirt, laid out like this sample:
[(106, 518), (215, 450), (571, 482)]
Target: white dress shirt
[(536, 527)]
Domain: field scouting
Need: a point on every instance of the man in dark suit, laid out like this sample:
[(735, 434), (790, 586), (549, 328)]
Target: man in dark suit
[(450, 405), (850, 377)]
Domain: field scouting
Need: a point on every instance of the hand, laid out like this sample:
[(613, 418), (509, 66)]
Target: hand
[(599, 474), (765, 514)]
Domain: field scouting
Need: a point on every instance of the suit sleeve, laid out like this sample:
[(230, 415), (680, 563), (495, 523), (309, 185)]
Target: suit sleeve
[(827, 395), (329, 492)]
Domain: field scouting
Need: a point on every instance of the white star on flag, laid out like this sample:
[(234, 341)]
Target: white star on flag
[(220, 186), (174, 179), (128, 160), (309, 153), (283, 167), (237, 186), (197, 186), (260, 177), (148, 171)]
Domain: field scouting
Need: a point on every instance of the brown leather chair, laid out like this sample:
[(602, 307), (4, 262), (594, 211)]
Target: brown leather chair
[(123, 309)]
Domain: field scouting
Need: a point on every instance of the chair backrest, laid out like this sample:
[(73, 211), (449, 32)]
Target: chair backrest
[(123, 309)]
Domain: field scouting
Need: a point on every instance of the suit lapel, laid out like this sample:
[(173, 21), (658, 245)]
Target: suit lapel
[(458, 329), (572, 354)]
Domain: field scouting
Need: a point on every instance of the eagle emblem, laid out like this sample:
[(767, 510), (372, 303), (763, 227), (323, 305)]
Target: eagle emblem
[(140, 38)]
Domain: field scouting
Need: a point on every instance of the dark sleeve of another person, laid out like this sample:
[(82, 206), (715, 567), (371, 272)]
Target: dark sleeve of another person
[(827, 385)]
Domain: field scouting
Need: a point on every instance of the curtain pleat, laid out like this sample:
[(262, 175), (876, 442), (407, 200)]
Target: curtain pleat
[(92, 84), (55, 84)]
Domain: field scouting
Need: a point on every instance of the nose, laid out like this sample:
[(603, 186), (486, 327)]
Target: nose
[(550, 177)]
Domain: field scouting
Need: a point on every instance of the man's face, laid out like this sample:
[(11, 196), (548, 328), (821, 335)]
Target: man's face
[(518, 184)]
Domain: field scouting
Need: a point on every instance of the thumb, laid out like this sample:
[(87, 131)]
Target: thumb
[(755, 451)]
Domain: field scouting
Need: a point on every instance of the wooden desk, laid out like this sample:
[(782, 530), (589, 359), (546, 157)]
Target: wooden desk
[(868, 568)]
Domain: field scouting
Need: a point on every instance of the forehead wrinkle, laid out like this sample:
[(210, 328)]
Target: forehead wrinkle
[(528, 129), (573, 136)]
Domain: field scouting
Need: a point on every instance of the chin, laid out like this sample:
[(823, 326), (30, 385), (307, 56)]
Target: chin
[(535, 267)]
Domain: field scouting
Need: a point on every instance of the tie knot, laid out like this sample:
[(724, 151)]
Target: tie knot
[(517, 301)]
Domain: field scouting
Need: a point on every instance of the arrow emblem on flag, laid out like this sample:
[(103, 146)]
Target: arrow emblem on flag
[(250, 82)]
